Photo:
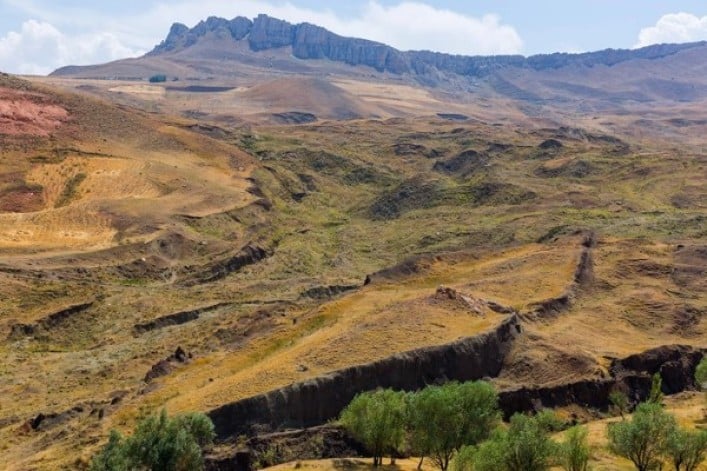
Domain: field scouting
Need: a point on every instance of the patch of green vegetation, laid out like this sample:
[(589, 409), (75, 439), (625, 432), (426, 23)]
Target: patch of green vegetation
[(70, 190)]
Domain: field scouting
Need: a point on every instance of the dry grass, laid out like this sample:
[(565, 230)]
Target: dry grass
[(159, 200)]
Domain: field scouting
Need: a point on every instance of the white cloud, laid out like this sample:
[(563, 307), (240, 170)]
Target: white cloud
[(39, 48), (674, 28), (59, 37)]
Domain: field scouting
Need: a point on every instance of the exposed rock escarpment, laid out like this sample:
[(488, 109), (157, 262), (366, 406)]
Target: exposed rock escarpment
[(313, 42), (248, 255), (582, 279), (49, 321), (176, 318), (318, 400), (631, 375)]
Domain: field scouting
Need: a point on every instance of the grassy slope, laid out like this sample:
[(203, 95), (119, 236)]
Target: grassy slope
[(344, 204)]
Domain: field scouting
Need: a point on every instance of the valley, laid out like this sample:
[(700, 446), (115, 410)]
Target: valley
[(271, 231)]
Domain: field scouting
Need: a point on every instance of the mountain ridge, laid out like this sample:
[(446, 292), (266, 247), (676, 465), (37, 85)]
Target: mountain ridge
[(309, 41)]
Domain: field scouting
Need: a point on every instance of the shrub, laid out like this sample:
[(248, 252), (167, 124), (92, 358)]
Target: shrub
[(619, 401), (701, 379), (525, 446), (686, 448), (158, 78), (575, 451), (644, 437), (656, 394), (444, 418), (464, 459), (701, 374), (159, 443), (377, 419)]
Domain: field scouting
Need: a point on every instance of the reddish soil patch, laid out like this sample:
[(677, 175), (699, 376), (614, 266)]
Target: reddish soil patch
[(28, 113), (22, 200)]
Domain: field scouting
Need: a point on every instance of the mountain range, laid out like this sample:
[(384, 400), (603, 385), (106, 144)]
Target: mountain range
[(217, 48)]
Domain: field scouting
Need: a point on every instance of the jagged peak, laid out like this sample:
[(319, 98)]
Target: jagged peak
[(309, 41)]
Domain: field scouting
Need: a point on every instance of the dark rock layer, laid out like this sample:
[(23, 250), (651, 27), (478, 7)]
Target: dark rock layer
[(318, 400)]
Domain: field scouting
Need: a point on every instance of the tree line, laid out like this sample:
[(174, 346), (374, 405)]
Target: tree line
[(455, 425), (459, 425)]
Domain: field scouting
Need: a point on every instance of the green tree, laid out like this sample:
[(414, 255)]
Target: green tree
[(525, 446), (701, 377), (575, 451), (113, 456), (444, 418), (464, 459), (620, 402), (643, 438), (159, 443), (701, 374), (158, 78), (686, 448), (656, 394), (377, 420)]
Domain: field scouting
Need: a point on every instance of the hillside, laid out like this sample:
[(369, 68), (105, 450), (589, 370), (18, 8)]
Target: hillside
[(151, 261)]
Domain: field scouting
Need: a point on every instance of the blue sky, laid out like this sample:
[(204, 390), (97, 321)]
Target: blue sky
[(37, 36)]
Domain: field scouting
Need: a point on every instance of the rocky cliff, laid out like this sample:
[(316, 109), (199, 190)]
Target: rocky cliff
[(318, 400), (313, 42)]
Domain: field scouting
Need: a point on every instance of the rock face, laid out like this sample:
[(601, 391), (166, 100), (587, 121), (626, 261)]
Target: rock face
[(313, 42), (318, 400)]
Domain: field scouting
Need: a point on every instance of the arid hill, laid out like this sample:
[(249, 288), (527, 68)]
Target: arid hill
[(293, 217)]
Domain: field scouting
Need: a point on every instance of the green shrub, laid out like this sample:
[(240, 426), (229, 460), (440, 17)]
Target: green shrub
[(442, 419), (656, 394), (701, 374), (643, 438), (525, 446), (159, 443), (377, 420), (619, 401), (158, 78), (464, 459), (686, 448), (575, 451)]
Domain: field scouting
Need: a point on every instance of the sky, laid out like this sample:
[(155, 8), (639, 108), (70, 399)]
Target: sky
[(38, 36)]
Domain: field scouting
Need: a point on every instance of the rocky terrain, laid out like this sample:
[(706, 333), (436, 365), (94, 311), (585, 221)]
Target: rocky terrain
[(267, 236)]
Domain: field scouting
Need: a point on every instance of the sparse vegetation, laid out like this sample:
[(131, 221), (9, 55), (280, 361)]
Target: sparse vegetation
[(158, 443), (644, 438), (574, 450), (165, 197), (656, 394), (619, 402), (525, 446), (686, 449), (70, 190)]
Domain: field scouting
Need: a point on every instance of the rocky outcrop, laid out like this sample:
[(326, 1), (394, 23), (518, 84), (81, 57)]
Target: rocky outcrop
[(318, 400), (631, 375), (313, 42), (248, 255), (326, 292), (167, 365), (48, 322), (176, 318), (270, 33), (582, 279), (675, 363), (180, 36)]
